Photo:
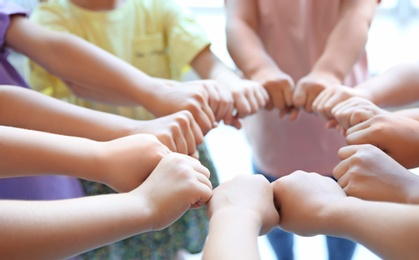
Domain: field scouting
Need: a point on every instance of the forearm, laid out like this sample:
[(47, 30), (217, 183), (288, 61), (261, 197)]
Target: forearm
[(60, 229), (26, 152), (94, 73), (342, 52), (51, 115), (412, 113), (208, 66), (248, 52), (390, 230), (397, 86), (231, 233)]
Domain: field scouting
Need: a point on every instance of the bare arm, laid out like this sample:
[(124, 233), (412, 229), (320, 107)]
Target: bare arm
[(397, 86), (178, 131), (348, 38), (81, 63), (60, 229), (249, 96), (250, 56), (327, 210), (31, 110), (347, 42), (237, 219)]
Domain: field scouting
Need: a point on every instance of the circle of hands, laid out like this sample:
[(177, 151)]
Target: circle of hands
[(373, 165)]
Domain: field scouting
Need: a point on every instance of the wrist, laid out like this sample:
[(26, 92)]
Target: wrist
[(327, 75), (338, 217), (238, 218), (412, 192)]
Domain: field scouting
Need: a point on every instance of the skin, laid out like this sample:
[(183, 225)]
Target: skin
[(28, 152), (325, 209), (353, 111), (229, 92), (179, 131), (395, 87), (236, 216), (249, 96), (395, 135), (244, 46), (77, 62), (355, 20), (60, 229), (368, 173)]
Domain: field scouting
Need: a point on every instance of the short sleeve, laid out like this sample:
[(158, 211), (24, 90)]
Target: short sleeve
[(6, 10), (186, 38)]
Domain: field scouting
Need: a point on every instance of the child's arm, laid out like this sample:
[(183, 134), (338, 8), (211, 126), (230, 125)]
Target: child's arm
[(344, 46), (394, 134), (249, 96), (101, 76), (366, 172), (250, 56), (311, 204), (395, 87), (240, 210), (28, 109), (60, 229), (122, 164)]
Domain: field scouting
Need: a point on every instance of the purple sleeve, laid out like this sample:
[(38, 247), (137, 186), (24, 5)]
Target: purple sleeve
[(7, 9)]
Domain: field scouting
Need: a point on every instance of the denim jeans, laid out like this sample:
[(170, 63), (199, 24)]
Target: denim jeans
[(282, 242)]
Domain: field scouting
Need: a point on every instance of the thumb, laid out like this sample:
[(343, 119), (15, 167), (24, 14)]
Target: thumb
[(299, 98)]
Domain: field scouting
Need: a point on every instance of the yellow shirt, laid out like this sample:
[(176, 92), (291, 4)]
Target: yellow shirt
[(158, 37)]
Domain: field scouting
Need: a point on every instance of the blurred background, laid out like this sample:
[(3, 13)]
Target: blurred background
[(393, 39)]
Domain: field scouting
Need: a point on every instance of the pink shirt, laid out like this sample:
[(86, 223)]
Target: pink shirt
[(294, 34)]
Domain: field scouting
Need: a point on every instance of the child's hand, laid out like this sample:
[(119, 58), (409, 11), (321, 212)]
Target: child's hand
[(221, 101), (280, 90), (395, 135), (249, 96), (177, 184), (125, 163), (190, 96), (353, 111), (310, 86), (178, 131), (331, 97), (246, 195), (303, 199), (368, 173)]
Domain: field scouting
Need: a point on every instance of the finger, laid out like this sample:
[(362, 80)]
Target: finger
[(294, 114), (213, 97), (300, 96), (181, 145), (264, 94), (260, 98), (287, 93), (358, 127), (319, 104), (243, 106), (343, 180), (253, 102), (360, 137), (207, 118), (236, 123), (195, 154), (171, 144), (332, 123), (189, 137), (359, 115), (309, 103), (195, 129), (205, 194), (347, 151)]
